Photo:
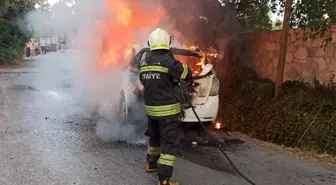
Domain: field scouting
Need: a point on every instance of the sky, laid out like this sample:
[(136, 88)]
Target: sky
[(52, 2)]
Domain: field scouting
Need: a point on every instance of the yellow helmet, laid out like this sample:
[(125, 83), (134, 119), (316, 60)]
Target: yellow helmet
[(159, 39)]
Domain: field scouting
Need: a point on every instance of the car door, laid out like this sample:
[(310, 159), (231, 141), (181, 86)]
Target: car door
[(135, 65)]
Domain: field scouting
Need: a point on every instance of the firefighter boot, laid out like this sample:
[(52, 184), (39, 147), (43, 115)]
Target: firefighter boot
[(168, 182), (151, 167)]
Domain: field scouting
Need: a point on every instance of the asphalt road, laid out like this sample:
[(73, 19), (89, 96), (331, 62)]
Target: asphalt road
[(48, 137)]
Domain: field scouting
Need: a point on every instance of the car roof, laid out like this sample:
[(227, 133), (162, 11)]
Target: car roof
[(175, 50), (186, 52), (136, 46)]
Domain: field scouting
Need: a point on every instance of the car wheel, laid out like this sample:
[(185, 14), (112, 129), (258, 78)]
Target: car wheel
[(122, 113)]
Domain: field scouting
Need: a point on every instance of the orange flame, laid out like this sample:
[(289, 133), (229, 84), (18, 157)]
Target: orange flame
[(218, 125), (190, 47), (202, 62), (199, 63), (212, 55), (125, 18)]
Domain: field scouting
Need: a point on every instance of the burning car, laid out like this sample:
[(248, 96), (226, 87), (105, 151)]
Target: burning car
[(202, 91)]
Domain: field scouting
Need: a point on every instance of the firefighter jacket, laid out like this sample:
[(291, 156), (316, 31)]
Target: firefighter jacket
[(158, 74)]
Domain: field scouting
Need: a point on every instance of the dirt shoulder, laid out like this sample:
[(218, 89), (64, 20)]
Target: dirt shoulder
[(12, 66), (15, 65), (324, 159)]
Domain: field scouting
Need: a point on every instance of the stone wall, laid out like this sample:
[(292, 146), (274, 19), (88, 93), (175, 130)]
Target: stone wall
[(305, 59)]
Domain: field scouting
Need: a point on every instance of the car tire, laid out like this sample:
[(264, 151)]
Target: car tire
[(122, 110)]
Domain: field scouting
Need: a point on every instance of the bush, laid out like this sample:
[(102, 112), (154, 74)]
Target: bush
[(13, 44), (247, 106), (12, 37)]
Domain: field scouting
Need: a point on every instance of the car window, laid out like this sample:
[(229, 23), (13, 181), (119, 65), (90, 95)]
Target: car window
[(143, 57), (135, 60), (140, 56), (129, 54), (192, 59)]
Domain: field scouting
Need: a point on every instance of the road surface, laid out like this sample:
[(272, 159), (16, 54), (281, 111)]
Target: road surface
[(47, 137)]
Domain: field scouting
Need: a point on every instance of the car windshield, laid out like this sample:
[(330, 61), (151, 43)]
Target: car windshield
[(192, 59)]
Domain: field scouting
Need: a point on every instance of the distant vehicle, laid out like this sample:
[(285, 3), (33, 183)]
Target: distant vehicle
[(203, 91)]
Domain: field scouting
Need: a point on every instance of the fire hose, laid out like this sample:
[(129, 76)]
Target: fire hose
[(217, 143)]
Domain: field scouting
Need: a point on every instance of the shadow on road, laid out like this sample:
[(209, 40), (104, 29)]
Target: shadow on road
[(208, 154), (21, 87), (205, 155)]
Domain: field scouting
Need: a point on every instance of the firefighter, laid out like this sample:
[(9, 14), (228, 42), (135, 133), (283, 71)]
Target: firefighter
[(158, 75)]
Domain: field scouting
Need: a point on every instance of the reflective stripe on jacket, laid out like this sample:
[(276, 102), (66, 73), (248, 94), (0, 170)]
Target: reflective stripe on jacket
[(157, 75)]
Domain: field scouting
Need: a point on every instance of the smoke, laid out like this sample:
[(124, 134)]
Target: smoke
[(100, 88), (205, 23)]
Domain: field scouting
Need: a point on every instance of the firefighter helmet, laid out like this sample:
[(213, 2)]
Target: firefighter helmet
[(159, 39)]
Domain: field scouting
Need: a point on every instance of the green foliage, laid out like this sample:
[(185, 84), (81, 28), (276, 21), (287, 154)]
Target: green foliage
[(2, 7), (317, 15), (248, 107), (277, 25), (253, 14), (12, 35), (314, 14), (207, 22), (226, 19)]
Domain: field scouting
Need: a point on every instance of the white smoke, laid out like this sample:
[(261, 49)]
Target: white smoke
[(101, 88)]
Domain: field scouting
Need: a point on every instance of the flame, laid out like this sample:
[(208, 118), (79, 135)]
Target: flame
[(190, 47), (128, 51), (125, 15), (218, 125), (202, 62), (212, 55), (124, 19)]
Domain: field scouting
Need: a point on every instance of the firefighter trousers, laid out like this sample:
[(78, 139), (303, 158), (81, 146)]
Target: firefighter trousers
[(164, 144)]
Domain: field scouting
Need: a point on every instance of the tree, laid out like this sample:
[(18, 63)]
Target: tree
[(62, 17), (283, 47), (253, 14), (278, 24), (13, 36), (43, 5), (2, 7), (316, 15), (212, 22)]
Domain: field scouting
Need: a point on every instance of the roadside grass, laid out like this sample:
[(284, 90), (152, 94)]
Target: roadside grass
[(324, 159), (303, 118), (16, 63), (13, 65)]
